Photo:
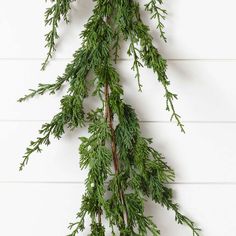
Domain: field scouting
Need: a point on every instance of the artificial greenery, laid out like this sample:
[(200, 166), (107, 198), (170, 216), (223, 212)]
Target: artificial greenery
[(123, 168)]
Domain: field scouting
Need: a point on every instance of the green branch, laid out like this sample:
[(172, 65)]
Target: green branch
[(123, 167), (53, 16), (157, 13)]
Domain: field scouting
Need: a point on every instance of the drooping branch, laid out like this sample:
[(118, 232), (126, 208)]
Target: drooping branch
[(53, 15), (123, 169), (109, 119)]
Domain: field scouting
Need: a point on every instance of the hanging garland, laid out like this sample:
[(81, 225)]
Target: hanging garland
[(123, 168)]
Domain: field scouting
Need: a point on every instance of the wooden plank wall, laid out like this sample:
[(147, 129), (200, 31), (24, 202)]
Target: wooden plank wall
[(201, 53)]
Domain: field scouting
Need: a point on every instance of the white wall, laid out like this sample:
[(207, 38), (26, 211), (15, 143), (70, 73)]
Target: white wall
[(43, 199)]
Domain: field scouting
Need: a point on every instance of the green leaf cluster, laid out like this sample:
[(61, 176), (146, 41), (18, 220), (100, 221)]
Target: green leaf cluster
[(53, 15), (124, 170)]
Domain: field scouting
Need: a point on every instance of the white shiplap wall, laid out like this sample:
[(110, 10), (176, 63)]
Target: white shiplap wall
[(202, 68)]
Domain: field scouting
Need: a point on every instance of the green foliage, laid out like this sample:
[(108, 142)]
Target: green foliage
[(157, 13), (53, 16), (123, 167)]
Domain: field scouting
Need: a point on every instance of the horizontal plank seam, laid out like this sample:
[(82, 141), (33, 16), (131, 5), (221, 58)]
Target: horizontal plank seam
[(141, 121), (82, 182), (125, 59)]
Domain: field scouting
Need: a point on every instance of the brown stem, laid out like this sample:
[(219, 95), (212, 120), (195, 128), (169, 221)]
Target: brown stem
[(100, 216), (109, 119)]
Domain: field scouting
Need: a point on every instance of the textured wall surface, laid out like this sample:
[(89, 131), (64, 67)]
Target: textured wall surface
[(201, 51)]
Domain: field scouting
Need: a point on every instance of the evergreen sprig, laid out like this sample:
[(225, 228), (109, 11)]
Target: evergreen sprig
[(123, 167), (53, 15), (154, 7)]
